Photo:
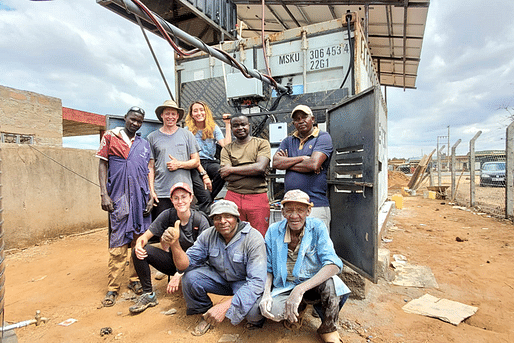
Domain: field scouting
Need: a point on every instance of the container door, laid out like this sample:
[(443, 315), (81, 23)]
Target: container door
[(352, 180)]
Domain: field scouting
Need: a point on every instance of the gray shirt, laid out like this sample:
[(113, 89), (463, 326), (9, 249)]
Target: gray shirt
[(180, 145)]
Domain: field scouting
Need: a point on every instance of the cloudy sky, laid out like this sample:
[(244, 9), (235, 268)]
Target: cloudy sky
[(96, 61)]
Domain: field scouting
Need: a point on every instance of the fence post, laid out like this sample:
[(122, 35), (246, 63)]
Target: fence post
[(439, 165), (509, 172), (454, 185), (472, 169)]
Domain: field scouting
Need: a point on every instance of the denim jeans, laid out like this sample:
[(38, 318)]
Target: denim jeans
[(198, 282), (324, 300)]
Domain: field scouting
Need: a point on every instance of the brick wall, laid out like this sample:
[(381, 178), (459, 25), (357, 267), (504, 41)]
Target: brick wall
[(28, 113)]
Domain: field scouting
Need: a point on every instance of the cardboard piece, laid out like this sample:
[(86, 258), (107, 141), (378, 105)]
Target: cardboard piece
[(413, 276), (447, 310)]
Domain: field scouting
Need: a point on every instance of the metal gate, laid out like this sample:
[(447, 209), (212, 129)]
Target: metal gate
[(352, 180)]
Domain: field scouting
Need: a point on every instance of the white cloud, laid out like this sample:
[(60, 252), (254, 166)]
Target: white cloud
[(97, 61)]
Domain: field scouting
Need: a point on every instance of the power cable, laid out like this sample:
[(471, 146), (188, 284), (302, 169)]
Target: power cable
[(154, 57), (62, 165), (350, 66)]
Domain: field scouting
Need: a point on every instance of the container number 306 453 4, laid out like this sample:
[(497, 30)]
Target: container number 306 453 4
[(321, 58)]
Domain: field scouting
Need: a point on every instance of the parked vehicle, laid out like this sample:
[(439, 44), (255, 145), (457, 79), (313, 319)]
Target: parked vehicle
[(492, 174)]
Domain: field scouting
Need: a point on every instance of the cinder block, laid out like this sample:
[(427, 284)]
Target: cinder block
[(356, 283), (384, 261)]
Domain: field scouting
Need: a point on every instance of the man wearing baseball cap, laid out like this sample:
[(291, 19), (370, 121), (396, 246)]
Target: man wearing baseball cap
[(305, 156), (174, 151), (227, 259), (189, 223), (302, 268)]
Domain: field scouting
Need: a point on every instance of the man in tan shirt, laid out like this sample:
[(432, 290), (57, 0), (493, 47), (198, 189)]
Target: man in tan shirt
[(244, 164)]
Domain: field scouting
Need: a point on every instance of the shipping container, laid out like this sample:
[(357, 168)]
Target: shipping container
[(313, 61)]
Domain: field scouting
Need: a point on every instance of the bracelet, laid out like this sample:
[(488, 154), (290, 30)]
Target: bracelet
[(202, 174)]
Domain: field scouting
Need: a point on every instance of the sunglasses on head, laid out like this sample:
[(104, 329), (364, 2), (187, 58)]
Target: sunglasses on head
[(137, 110)]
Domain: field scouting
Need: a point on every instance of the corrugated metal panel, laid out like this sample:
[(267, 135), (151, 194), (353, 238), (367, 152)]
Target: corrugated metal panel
[(395, 28)]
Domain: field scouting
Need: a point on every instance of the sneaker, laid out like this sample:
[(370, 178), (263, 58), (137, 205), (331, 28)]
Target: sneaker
[(145, 300)]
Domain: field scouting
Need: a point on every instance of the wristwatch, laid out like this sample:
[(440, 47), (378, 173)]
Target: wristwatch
[(203, 173)]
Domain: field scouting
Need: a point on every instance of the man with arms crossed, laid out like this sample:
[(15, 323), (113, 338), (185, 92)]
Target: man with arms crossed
[(305, 156), (244, 164)]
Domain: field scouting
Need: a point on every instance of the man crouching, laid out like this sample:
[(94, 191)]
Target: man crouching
[(226, 259), (302, 268)]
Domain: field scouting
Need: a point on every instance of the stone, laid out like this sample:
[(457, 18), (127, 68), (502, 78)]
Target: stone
[(384, 261)]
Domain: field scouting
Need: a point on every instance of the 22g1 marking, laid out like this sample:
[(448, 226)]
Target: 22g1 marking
[(320, 58)]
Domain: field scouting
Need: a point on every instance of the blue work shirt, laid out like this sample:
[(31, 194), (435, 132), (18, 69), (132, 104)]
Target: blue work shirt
[(315, 185), (243, 258), (316, 251)]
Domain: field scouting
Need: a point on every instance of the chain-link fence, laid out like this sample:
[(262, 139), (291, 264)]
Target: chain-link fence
[(478, 179)]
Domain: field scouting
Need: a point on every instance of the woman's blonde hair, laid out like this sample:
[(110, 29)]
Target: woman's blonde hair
[(210, 124)]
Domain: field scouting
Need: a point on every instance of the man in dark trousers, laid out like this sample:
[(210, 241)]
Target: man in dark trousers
[(305, 156)]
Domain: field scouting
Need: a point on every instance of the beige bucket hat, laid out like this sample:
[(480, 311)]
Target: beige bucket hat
[(169, 104)]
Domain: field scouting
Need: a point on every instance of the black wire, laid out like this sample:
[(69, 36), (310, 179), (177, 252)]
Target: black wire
[(350, 66), (62, 165)]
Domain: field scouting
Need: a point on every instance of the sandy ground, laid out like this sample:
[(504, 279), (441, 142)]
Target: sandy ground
[(66, 278)]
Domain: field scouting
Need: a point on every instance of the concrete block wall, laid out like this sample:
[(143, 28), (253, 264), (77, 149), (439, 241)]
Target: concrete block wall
[(29, 113), (41, 199)]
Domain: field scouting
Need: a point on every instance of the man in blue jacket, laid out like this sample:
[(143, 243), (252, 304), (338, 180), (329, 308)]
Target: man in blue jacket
[(302, 268), (229, 259)]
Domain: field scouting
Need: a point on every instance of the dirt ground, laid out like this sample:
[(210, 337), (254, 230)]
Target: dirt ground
[(66, 278)]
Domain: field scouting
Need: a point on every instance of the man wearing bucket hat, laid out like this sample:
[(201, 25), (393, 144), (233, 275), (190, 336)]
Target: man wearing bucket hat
[(174, 152), (305, 156), (302, 267), (227, 259), (190, 223)]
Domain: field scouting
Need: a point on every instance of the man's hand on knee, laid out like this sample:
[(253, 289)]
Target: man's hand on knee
[(216, 314), (265, 306), (292, 303)]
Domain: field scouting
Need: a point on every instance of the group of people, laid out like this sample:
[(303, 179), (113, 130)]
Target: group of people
[(149, 188)]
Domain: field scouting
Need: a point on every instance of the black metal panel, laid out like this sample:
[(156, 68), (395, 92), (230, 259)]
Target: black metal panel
[(352, 180)]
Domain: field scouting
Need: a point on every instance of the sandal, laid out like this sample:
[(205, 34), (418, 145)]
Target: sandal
[(110, 299), (136, 287), (201, 328), (293, 326), (331, 337)]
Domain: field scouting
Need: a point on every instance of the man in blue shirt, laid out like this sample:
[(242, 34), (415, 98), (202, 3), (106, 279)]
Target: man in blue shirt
[(226, 259), (305, 156), (302, 267)]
